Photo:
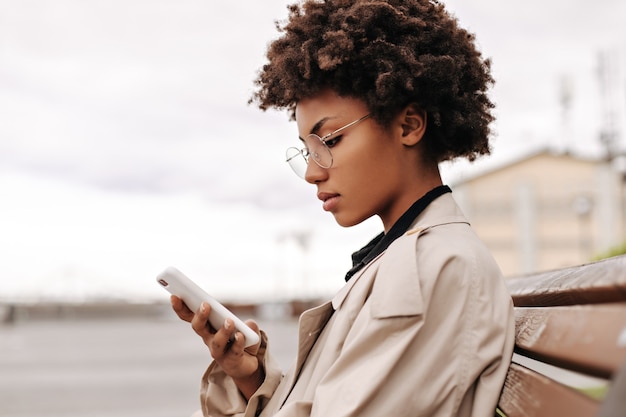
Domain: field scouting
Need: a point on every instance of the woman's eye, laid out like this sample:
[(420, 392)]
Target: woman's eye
[(332, 141)]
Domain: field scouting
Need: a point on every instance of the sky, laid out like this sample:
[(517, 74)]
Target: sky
[(127, 144)]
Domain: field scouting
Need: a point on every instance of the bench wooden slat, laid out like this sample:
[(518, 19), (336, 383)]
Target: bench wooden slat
[(527, 393), (570, 319), (590, 339), (599, 282)]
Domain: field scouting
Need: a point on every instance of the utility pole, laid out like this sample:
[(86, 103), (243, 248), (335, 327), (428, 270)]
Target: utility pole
[(302, 240), (610, 100), (566, 97), (609, 95)]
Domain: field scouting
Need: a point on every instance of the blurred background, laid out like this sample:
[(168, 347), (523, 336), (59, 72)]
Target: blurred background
[(127, 145)]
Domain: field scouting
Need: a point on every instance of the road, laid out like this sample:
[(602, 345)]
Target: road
[(123, 367)]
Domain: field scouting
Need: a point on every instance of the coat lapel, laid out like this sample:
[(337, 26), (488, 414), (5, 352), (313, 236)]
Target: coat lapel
[(310, 325)]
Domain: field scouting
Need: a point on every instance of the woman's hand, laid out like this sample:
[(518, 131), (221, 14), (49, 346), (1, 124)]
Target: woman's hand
[(226, 346)]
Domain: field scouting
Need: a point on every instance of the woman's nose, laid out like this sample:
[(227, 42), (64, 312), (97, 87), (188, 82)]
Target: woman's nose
[(315, 173)]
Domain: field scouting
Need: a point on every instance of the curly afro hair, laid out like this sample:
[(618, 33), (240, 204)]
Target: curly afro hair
[(388, 54)]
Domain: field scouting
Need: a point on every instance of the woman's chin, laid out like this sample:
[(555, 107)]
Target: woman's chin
[(346, 221)]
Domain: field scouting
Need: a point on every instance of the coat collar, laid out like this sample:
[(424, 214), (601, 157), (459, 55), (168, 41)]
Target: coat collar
[(442, 210)]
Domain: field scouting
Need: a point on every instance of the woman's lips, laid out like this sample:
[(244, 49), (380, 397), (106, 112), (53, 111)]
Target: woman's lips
[(329, 200)]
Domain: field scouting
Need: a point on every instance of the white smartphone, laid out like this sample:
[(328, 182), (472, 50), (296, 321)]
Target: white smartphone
[(178, 284)]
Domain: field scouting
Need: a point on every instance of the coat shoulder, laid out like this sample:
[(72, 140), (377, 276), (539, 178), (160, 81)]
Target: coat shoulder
[(414, 262)]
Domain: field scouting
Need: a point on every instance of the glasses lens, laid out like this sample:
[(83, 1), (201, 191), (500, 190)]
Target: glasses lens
[(296, 161), (319, 151)]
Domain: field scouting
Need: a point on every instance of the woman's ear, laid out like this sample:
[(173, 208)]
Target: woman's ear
[(413, 121)]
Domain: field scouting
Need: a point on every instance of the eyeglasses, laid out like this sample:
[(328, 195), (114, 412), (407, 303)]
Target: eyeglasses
[(317, 148)]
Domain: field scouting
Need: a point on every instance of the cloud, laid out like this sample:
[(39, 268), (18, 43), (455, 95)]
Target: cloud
[(152, 96), (126, 140)]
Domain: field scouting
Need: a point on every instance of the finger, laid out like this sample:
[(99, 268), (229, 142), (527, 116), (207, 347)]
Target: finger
[(254, 326), (236, 345), (200, 321), (181, 309), (223, 340)]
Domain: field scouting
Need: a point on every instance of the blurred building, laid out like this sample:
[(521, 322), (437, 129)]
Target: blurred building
[(546, 210)]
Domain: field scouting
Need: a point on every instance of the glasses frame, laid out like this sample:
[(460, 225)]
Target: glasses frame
[(306, 154)]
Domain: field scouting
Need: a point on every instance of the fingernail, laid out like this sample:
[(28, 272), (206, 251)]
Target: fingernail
[(227, 324), (203, 307)]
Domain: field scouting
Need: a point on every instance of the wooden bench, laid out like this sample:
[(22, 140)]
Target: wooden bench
[(570, 343)]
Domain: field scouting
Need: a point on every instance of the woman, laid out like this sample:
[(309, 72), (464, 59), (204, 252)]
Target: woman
[(382, 92)]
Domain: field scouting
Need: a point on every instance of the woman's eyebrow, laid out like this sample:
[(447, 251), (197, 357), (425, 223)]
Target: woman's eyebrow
[(317, 126)]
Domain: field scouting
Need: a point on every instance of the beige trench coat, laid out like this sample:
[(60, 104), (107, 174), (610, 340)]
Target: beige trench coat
[(426, 329)]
